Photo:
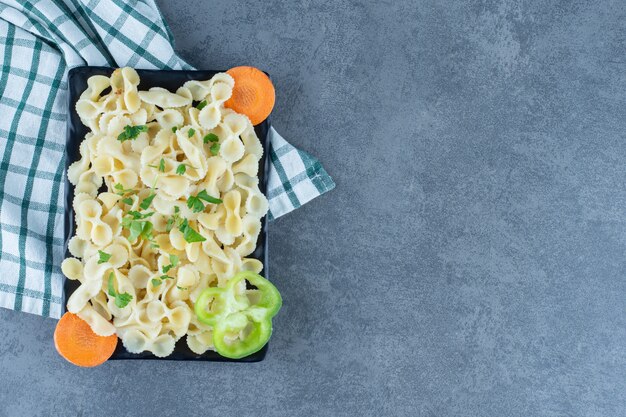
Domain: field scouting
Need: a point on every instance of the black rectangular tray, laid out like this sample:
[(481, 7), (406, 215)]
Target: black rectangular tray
[(76, 131)]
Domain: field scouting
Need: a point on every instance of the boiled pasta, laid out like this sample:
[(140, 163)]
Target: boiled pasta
[(166, 204)]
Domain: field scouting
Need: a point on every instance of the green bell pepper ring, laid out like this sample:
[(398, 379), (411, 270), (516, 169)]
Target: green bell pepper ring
[(258, 336), (231, 315), (270, 297), (224, 301)]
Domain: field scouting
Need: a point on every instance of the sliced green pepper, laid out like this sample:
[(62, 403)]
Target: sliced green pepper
[(230, 314)]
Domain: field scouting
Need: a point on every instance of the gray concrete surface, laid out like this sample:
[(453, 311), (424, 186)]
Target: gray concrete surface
[(471, 260)]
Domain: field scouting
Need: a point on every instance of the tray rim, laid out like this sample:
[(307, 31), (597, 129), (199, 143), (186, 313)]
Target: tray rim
[(86, 71)]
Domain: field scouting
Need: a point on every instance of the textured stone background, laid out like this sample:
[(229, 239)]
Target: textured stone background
[(471, 260)]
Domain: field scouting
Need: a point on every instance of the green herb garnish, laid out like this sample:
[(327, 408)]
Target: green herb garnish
[(161, 166), (173, 220), (196, 205), (121, 300), (136, 230), (131, 132), (201, 105), (127, 200), (190, 132), (104, 257), (156, 282), (182, 168), (192, 236), (140, 216), (215, 148), (138, 226), (121, 190), (147, 230), (206, 197), (174, 129), (173, 263), (189, 234), (147, 201), (210, 137)]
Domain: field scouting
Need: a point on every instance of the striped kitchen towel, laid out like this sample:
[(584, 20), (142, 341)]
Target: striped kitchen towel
[(40, 41)]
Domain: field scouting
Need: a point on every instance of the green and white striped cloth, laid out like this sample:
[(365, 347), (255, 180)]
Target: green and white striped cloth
[(40, 41)]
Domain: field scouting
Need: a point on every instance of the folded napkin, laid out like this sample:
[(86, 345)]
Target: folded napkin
[(40, 42)]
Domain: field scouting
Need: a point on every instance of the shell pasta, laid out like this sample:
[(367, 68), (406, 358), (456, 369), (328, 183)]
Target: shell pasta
[(167, 204)]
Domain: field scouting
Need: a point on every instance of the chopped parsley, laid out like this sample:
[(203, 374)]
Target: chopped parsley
[(138, 226), (206, 197), (189, 233), (215, 148), (190, 132), (127, 200), (161, 166), (196, 205), (182, 168), (140, 216), (170, 224), (173, 263), (201, 105), (122, 191), (104, 257), (121, 299), (173, 220), (174, 129), (131, 132), (158, 281), (210, 137), (140, 229), (147, 201)]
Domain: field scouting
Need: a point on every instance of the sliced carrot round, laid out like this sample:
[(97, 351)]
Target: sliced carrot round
[(253, 94), (78, 344)]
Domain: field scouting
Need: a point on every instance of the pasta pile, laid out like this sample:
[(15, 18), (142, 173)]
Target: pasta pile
[(181, 212)]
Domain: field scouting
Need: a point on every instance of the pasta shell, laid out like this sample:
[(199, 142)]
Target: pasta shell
[(209, 116), (232, 150), (72, 268), (99, 324), (169, 118), (95, 86), (134, 341), (163, 346), (162, 98), (248, 165)]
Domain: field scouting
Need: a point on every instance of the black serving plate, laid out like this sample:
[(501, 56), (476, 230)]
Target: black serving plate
[(76, 132)]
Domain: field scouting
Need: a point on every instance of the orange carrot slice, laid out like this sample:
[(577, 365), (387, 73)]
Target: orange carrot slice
[(78, 344), (253, 94)]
